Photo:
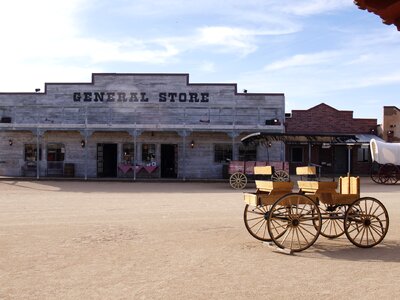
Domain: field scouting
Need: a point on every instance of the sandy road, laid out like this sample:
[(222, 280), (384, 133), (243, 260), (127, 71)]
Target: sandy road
[(120, 240)]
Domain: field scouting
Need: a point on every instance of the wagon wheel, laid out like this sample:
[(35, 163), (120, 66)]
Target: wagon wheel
[(374, 172), (366, 222), (294, 222), (280, 175), (389, 174), (255, 220), (238, 180), (332, 217)]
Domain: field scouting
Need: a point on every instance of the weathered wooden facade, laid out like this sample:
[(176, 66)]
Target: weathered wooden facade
[(134, 126)]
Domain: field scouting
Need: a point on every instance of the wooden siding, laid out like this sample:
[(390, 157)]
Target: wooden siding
[(61, 119)]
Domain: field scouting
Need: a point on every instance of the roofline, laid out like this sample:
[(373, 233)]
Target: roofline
[(46, 84)]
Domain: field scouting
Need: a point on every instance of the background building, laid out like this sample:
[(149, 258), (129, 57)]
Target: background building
[(391, 124), (335, 158)]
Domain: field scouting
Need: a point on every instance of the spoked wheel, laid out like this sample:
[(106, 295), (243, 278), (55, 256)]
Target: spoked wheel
[(332, 217), (374, 173), (238, 180), (389, 174), (255, 220), (294, 222), (366, 222), (280, 175)]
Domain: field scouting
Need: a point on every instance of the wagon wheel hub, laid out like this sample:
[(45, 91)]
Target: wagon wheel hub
[(295, 222), (367, 222)]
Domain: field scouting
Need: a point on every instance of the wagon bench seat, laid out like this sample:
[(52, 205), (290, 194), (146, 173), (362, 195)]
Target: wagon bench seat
[(268, 192), (325, 191)]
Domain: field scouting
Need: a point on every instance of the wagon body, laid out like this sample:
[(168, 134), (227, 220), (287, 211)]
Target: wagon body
[(293, 219), (240, 171), (386, 162), (385, 153)]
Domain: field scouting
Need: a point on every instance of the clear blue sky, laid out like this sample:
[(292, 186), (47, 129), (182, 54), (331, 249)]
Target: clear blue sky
[(312, 50)]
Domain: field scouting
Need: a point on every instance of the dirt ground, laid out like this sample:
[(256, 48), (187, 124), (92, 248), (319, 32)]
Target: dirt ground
[(125, 240)]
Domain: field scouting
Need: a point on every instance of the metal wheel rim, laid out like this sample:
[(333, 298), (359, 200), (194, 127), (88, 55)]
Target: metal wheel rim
[(360, 232), (374, 173), (389, 173), (280, 176), (332, 222), (238, 180), (255, 220), (294, 222)]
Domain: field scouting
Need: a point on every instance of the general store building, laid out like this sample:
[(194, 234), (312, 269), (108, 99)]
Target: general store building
[(134, 126)]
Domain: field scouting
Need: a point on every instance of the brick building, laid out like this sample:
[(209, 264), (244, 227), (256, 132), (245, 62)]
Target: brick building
[(391, 124), (333, 158)]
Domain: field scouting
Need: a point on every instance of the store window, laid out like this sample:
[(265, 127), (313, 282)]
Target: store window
[(363, 155), (55, 152), (297, 154), (128, 153), (148, 153), (30, 152), (222, 152), (248, 153)]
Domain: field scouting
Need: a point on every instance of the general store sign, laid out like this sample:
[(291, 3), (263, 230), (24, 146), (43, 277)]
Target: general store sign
[(139, 97)]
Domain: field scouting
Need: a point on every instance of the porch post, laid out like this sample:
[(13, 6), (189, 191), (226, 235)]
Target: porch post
[(38, 136), (349, 159), (135, 134), (184, 134)]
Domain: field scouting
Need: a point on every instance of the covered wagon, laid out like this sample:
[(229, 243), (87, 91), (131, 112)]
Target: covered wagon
[(386, 162)]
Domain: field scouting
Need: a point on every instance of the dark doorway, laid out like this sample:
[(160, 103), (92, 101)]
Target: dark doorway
[(107, 160), (169, 161), (341, 160)]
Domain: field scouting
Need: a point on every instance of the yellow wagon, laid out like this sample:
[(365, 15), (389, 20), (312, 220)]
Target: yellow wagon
[(294, 219)]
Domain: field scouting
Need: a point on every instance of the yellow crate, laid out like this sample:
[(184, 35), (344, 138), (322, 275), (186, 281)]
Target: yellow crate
[(251, 199), (306, 170), (349, 185), (262, 170), (266, 185)]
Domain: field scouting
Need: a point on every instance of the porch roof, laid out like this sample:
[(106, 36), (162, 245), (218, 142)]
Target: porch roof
[(306, 138)]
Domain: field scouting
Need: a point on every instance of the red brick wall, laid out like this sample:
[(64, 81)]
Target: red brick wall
[(326, 119), (322, 119)]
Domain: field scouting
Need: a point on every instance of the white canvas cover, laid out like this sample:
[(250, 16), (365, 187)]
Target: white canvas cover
[(385, 153)]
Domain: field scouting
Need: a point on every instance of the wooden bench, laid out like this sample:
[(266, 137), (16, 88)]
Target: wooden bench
[(309, 171), (268, 192), (325, 191), (55, 168), (263, 170), (29, 169)]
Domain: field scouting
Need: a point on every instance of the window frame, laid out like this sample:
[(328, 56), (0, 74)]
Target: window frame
[(366, 154), (128, 154), (59, 154), (147, 155), (34, 150), (247, 153), (223, 154), (292, 154)]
